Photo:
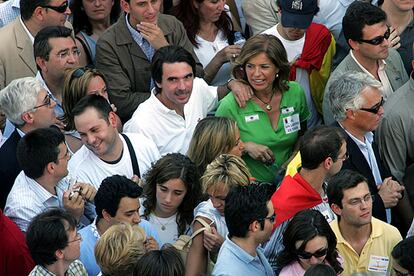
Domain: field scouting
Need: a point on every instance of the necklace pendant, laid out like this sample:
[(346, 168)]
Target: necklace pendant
[(268, 107), (163, 227)]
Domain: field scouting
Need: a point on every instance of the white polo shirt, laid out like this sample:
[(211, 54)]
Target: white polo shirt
[(169, 130)]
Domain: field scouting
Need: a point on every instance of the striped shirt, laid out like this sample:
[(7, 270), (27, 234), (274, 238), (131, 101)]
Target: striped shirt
[(28, 198)]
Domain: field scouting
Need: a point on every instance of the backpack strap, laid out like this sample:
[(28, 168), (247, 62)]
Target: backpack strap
[(132, 155)]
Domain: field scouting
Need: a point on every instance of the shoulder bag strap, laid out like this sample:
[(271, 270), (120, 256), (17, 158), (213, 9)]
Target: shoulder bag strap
[(206, 227), (133, 156)]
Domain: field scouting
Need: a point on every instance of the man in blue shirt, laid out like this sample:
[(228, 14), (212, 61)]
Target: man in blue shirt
[(249, 217), (117, 201)]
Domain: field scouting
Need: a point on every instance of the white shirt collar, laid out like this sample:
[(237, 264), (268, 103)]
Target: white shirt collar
[(26, 30)]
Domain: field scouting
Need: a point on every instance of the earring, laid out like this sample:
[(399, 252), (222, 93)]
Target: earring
[(277, 75)]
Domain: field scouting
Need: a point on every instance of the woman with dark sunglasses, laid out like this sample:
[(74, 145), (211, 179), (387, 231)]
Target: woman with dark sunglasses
[(308, 240)]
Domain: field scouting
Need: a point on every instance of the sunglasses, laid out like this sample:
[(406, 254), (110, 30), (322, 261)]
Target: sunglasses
[(379, 39), (375, 108), (306, 255), (60, 9)]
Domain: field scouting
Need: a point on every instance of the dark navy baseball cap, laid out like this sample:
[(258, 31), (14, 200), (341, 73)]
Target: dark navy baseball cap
[(298, 13)]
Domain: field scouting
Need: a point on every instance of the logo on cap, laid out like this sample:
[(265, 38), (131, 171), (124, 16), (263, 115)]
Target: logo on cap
[(297, 5)]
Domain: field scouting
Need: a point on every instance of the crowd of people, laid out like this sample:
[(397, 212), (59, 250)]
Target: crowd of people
[(205, 137)]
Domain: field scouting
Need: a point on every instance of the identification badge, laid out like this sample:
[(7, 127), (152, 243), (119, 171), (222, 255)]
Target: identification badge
[(291, 123), (378, 263), (251, 118), (288, 110)]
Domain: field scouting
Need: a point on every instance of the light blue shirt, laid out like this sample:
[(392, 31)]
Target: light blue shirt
[(233, 260), (9, 11), (58, 108), (90, 236), (142, 43)]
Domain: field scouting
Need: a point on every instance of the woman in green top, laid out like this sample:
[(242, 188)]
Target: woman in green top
[(275, 117)]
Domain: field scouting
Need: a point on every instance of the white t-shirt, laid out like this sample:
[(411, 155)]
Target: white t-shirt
[(294, 50), (86, 167), (167, 228), (207, 50), (170, 131), (207, 210)]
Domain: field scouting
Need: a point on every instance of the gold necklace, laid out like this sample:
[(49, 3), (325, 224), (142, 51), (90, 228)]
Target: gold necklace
[(268, 106)]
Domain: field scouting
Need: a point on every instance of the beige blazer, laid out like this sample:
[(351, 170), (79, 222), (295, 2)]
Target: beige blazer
[(16, 53)]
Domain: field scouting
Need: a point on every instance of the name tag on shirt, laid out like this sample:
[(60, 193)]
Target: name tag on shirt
[(378, 263), (291, 123), (288, 110), (251, 118)]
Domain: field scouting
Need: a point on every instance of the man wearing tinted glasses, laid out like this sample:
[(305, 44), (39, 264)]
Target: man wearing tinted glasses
[(364, 242), (249, 217), (356, 104), (366, 32), (16, 51)]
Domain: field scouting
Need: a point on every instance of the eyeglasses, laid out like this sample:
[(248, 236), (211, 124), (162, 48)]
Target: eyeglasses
[(272, 218), (46, 102), (60, 9), (399, 273), (67, 154), (64, 54), (78, 237), (379, 39), (345, 157), (375, 109), (306, 255), (358, 201)]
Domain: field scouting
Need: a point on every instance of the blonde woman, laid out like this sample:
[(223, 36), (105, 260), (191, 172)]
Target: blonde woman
[(119, 248), (214, 136), (225, 172)]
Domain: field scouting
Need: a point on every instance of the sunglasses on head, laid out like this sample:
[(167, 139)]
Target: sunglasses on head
[(60, 9), (379, 39), (375, 108), (306, 255)]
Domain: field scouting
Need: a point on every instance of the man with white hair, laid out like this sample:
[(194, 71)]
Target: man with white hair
[(357, 106), (28, 106)]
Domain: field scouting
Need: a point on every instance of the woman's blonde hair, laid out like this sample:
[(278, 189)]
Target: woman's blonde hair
[(119, 248), (226, 171), (212, 136), (75, 88)]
